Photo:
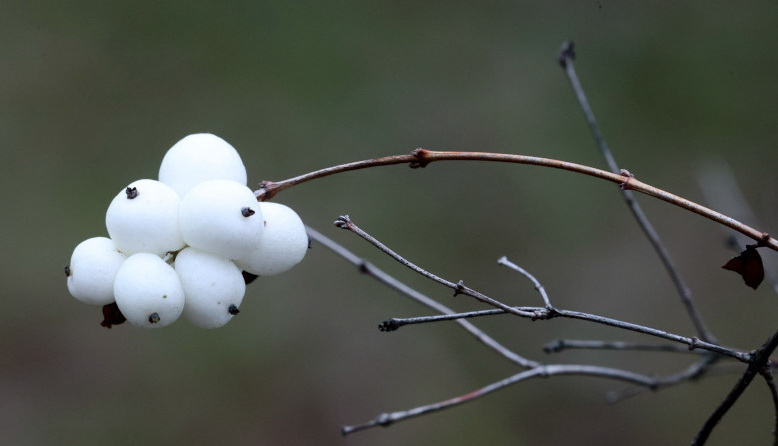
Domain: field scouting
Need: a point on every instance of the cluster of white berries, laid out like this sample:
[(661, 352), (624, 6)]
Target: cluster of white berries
[(186, 244)]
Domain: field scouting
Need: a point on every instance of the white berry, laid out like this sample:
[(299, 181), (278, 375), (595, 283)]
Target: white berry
[(221, 217), (143, 217), (200, 157), (148, 291), (92, 270), (213, 286), (283, 244)]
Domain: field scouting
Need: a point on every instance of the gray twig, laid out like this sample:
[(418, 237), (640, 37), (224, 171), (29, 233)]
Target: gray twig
[(566, 57), (344, 222), (543, 371), (564, 344), (386, 279), (758, 360)]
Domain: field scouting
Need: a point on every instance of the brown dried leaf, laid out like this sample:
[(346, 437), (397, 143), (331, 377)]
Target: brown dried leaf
[(112, 315), (749, 265)]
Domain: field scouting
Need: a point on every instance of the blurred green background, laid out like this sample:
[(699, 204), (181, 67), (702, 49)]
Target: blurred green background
[(93, 93)]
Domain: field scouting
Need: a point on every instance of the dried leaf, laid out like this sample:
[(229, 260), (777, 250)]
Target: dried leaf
[(749, 265), (112, 315)]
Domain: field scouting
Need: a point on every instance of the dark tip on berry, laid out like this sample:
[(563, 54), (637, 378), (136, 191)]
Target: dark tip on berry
[(131, 192), (233, 310), (247, 212), (67, 270), (154, 318)]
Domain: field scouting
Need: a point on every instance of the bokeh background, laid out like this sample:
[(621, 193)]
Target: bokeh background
[(93, 93)]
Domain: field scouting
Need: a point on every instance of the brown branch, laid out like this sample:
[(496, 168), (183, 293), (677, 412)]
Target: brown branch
[(422, 157)]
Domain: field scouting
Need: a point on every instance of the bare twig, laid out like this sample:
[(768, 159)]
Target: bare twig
[(758, 360), (767, 374), (696, 370), (544, 313), (566, 58), (381, 276), (387, 419), (422, 157), (344, 222), (540, 289), (560, 345)]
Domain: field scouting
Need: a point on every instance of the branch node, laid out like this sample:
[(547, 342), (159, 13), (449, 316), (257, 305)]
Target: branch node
[(695, 342), (421, 158), (566, 53), (626, 173), (384, 420), (460, 288)]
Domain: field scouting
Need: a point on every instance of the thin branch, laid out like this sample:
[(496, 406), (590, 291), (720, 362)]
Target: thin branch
[(376, 273), (767, 374), (566, 58), (544, 314), (344, 222), (538, 286), (560, 345), (757, 362), (422, 157), (388, 419), (696, 370), (721, 189)]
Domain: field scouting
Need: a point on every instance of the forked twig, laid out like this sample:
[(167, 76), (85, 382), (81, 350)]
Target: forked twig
[(376, 273), (344, 222), (757, 363)]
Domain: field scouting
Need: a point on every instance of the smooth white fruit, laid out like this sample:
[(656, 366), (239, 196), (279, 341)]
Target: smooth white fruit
[(198, 158), (213, 286), (283, 244), (144, 218), (92, 270), (221, 217), (148, 291)]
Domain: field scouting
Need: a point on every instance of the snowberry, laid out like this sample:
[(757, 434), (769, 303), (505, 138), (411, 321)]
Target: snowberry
[(221, 217), (283, 244), (92, 270), (198, 158), (143, 217), (213, 286), (148, 291)]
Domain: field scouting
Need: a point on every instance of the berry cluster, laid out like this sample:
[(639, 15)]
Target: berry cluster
[(186, 244)]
